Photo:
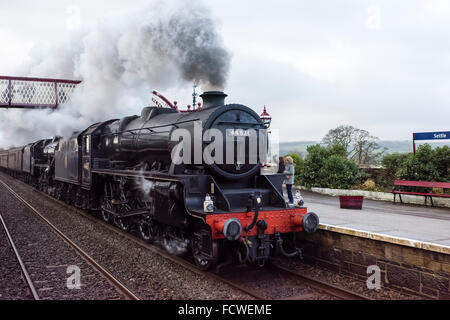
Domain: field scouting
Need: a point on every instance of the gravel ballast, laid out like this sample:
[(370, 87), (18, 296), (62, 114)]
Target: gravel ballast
[(351, 284), (48, 257), (145, 273), (12, 284)]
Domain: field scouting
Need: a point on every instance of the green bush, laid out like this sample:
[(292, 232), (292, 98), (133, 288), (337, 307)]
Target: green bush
[(328, 168), (393, 162), (426, 165), (441, 161), (309, 175), (339, 173)]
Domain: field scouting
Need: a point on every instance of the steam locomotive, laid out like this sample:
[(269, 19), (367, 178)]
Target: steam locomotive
[(124, 170)]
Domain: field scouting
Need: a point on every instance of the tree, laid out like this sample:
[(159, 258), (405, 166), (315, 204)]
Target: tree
[(329, 168), (366, 150), (359, 144), (338, 150), (342, 135)]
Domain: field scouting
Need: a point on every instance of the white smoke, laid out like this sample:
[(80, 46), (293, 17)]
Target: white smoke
[(163, 46), (144, 185)]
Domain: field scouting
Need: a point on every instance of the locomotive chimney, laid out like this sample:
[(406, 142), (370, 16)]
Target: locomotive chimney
[(213, 99)]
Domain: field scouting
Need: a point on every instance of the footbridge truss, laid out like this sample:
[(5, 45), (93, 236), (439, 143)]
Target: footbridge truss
[(35, 93)]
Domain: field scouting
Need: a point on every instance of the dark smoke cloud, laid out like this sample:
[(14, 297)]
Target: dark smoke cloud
[(187, 38), (167, 46), (201, 55)]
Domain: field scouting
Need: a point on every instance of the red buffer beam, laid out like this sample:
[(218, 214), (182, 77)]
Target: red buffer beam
[(33, 93)]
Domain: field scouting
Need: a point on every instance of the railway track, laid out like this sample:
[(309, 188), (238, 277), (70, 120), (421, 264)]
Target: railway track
[(153, 248), (23, 268), (116, 283), (316, 287), (275, 282), (338, 292)]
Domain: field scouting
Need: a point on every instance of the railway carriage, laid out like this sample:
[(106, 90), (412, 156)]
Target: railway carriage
[(15, 157), (4, 159)]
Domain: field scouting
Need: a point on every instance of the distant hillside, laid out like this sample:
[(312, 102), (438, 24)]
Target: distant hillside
[(392, 146), (295, 147)]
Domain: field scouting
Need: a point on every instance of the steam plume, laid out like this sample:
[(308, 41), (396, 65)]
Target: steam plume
[(163, 46)]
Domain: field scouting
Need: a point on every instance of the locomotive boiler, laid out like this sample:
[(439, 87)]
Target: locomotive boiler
[(148, 140), (189, 180)]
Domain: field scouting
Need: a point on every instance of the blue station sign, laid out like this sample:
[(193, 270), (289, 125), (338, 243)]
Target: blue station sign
[(441, 135)]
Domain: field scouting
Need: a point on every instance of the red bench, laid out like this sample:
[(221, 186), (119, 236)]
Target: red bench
[(421, 184)]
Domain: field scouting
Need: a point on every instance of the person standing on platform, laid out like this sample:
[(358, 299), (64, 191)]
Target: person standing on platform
[(289, 172), (281, 165)]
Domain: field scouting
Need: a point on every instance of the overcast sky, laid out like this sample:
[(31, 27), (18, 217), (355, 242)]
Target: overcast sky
[(383, 66)]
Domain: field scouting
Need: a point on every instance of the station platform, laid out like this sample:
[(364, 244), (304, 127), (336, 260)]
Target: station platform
[(410, 244), (411, 225)]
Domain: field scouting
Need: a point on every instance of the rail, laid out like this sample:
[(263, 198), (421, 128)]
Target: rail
[(25, 273), (116, 283), (331, 289)]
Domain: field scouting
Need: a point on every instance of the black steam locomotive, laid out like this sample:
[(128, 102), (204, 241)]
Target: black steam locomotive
[(124, 170)]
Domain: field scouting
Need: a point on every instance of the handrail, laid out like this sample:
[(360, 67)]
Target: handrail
[(40, 79), (149, 128)]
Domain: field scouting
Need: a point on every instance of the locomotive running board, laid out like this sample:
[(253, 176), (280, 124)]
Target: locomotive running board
[(194, 206), (127, 214), (183, 179), (137, 174)]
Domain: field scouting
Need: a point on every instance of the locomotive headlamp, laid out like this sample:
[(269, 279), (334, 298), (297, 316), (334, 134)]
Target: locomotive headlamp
[(266, 118), (232, 229), (208, 204), (310, 222)]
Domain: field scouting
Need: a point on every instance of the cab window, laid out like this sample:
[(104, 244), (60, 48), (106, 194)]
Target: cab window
[(87, 142)]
